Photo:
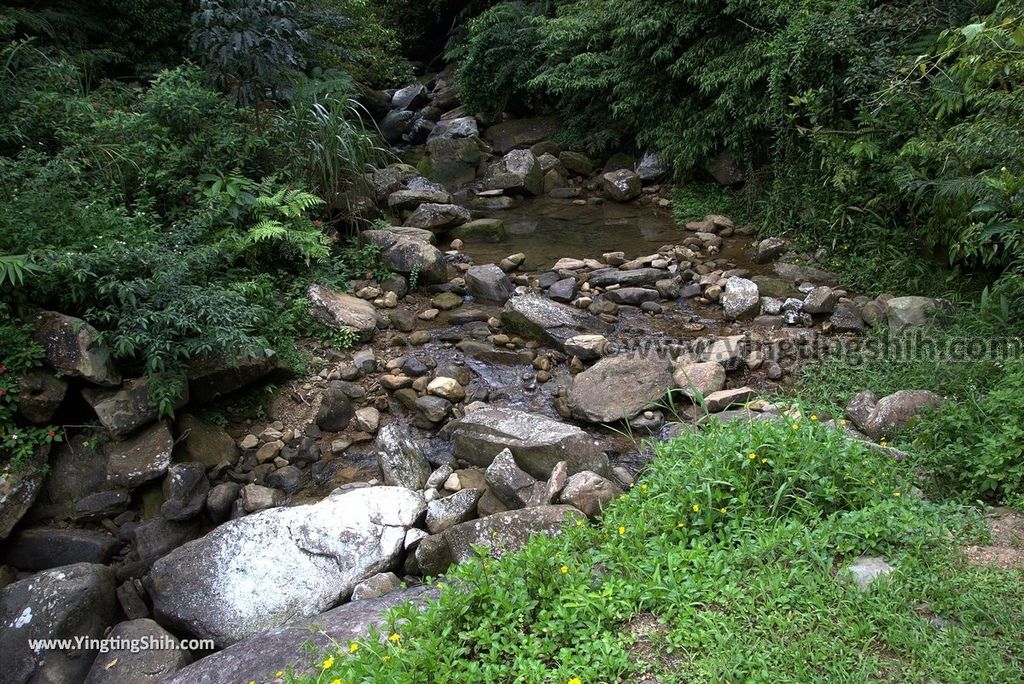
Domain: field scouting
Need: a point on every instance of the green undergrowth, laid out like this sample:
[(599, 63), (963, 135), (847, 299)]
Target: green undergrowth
[(724, 563)]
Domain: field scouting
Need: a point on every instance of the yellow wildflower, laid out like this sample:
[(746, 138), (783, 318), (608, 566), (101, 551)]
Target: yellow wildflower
[(764, 460), (752, 456), (579, 522), (329, 663), (335, 681), (564, 569), (385, 658), (279, 673), (814, 418), (394, 638), (696, 508), (353, 647), (643, 487), (622, 530), (896, 494), (723, 509), (575, 680)]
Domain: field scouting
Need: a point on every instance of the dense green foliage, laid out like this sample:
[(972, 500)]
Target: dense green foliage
[(731, 547)]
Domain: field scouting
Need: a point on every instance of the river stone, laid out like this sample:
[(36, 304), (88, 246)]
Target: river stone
[(141, 458), (185, 490), (637, 277), (537, 442), (409, 97), (407, 256), (288, 647), (518, 172), (489, 283), (716, 402), (69, 602), (41, 548), (516, 133), (202, 443), (143, 666), (454, 163), (586, 347), (157, 537), (312, 556), (632, 296), (798, 273), (19, 489), (698, 378), (539, 318), (410, 198), (438, 217), (335, 411), (906, 313), (893, 412), (620, 387), (740, 299), (40, 394), (460, 127), (650, 168), (576, 163), (216, 375), (395, 125), (821, 300), (481, 230), (847, 318), (512, 485), (452, 510), (339, 310), (769, 249), (506, 532), (72, 348), (563, 290), (125, 410), (106, 504), (381, 584), (589, 492), (401, 459), (621, 186)]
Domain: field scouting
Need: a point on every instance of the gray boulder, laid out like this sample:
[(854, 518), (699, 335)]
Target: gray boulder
[(699, 378), (893, 412), (406, 256), (621, 186), (138, 666), (312, 556), (450, 129), (336, 410), (210, 445), (409, 97), (438, 217), (69, 602), (19, 490), (40, 394), (506, 532), (518, 172), (907, 313), (537, 442), (185, 490), (821, 300), (456, 162), (452, 510), (512, 485), (589, 492), (125, 410), (536, 317), (73, 348), (141, 458), (42, 548), (339, 310), (489, 283), (741, 299), (215, 376), (769, 249), (620, 387), (516, 133), (395, 125), (401, 459)]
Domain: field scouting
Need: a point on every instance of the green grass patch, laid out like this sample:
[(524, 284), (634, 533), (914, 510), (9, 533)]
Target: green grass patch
[(721, 565)]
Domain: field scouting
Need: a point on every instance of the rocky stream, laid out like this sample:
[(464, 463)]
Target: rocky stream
[(546, 318)]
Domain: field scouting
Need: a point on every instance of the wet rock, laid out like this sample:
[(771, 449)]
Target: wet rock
[(438, 217), (576, 163), (699, 378), (481, 230), (621, 186), (185, 490), (288, 647), (563, 290), (72, 348), (632, 296), (142, 458), (434, 409), (128, 409), (339, 310), (650, 169), (138, 666), (537, 442), (620, 387), (313, 556), (512, 485), (587, 347), (637, 277), (395, 125), (589, 492), (539, 318), (410, 97), (893, 412), (401, 459), (40, 394), (740, 299), (516, 133), (518, 172), (335, 412), (42, 548), (423, 193), (407, 255), (506, 532), (69, 602), (821, 300), (489, 283), (19, 490), (452, 510)]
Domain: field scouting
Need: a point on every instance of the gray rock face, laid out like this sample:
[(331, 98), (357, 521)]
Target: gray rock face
[(894, 411), (518, 172), (409, 97), (401, 459), (419, 191), (821, 300), (621, 186), (288, 647), (73, 348), (589, 492), (538, 443), (18, 491), (185, 490), (620, 387), (339, 310), (144, 667), (741, 299), (438, 217), (907, 313), (505, 532), (381, 584), (125, 410), (40, 394), (313, 556), (215, 376), (63, 603), (514, 133), (650, 168), (860, 407), (202, 443), (769, 249), (452, 510), (699, 378), (454, 163), (539, 318), (42, 548), (144, 457), (512, 485), (489, 283), (450, 129), (405, 255), (587, 347)]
